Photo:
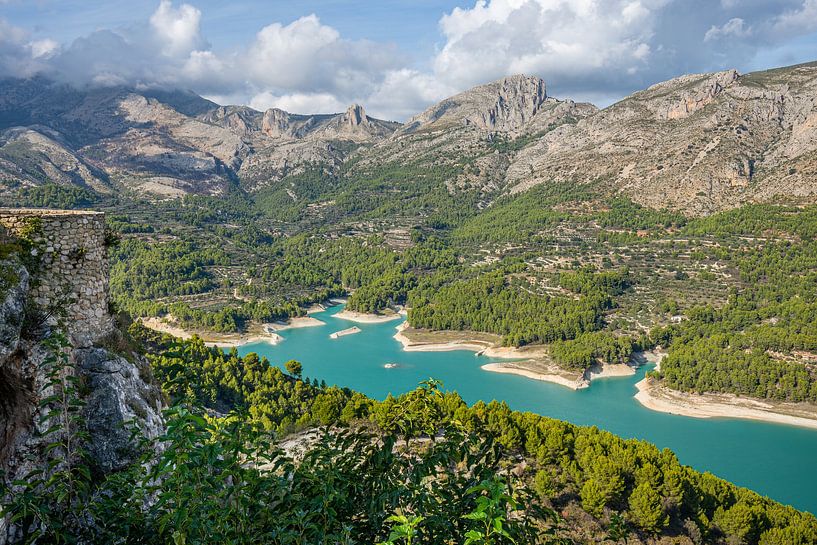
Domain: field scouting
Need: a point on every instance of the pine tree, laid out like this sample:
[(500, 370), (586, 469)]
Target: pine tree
[(645, 509), (593, 498)]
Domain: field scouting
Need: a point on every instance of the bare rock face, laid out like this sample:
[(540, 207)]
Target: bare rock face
[(287, 143), (688, 94), (241, 120), (15, 406), (121, 395), (276, 124), (506, 105), (355, 116), (699, 143), (352, 125)]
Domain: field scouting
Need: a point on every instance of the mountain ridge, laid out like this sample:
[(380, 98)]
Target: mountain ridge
[(699, 143)]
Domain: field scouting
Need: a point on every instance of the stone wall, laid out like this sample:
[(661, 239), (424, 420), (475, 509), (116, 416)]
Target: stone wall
[(71, 276)]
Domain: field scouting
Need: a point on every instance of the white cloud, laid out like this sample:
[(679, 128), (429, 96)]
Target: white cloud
[(291, 55), (594, 50), (561, 40), (177, 29), (43, 48), (299, 103), (19, 55), (798, 20), (733, 28), (604, 49), (406, 92)]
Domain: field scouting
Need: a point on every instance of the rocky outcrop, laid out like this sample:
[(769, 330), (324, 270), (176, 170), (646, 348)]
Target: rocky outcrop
[(15, 403), (276, 124), (506, 105), (240, 120), (121, 395), (682, 97), (352, 125), (355, 116), (699, 143)]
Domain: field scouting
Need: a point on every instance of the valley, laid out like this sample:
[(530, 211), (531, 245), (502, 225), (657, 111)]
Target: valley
[(539, 256)]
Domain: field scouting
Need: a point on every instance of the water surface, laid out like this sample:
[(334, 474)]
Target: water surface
[(772, 459)]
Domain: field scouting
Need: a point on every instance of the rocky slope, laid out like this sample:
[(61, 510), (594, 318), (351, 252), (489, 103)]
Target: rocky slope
[(28, 156), (284, 143), (164, 143), (699, 143), (506, 105), (467, 129)]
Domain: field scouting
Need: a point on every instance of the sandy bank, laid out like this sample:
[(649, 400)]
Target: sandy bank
[(157, 324), (344, 332), (411, 345), (363, 318), (655, 356), (240, 340), (532, 366), (610, 370), (658, 398), (557, 376), (226, 340), (295, 323), (265, 332)]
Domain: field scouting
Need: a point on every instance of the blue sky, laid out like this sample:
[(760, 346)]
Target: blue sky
[(394, 56), (412, 24)]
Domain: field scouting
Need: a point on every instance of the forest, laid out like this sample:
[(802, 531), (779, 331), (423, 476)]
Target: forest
[(741, 282), (762, 342), (756, 339)]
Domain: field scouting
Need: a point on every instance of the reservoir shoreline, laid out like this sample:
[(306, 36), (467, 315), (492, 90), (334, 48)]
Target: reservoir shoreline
[(655, 397), (650, 395), (530, 363), (762, 456)]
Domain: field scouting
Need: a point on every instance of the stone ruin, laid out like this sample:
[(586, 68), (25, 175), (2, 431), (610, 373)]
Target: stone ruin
[(71, 279)]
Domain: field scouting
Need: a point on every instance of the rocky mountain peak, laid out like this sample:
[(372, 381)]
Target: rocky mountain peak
[(355, 116), (276, 123), (505, 105), (681, 97)]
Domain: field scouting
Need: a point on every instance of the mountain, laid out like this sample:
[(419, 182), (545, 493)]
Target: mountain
[(158, 142), (284, 143), (698, 143), (505, 105), (467, 141), (39, 153)]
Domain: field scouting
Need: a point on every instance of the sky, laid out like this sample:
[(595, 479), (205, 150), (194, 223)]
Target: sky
[(395, 57)]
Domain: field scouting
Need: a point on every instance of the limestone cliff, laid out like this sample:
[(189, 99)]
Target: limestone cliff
[(506, 105), (699, 143)]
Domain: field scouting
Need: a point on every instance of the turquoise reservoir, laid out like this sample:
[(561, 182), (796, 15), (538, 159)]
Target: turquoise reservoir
[(775, 460)]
